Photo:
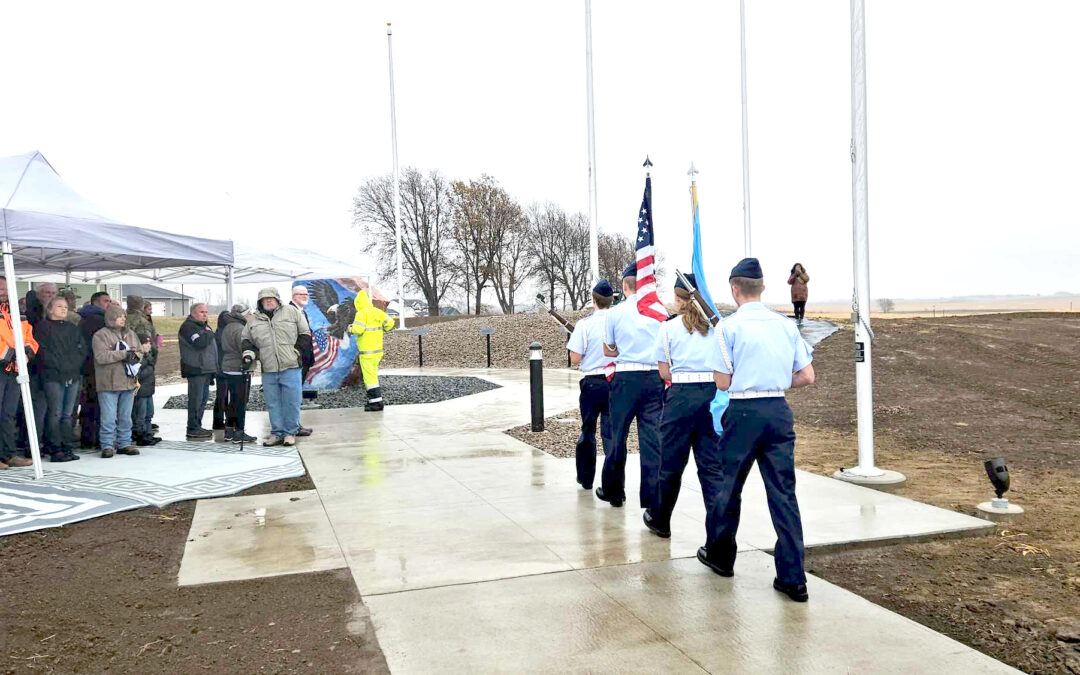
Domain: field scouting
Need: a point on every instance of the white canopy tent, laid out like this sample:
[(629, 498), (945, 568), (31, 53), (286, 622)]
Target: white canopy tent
[(46, 227), (250, 266)]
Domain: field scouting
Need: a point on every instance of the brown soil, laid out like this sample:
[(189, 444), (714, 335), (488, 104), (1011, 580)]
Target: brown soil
[(950, 393), (101, 596)]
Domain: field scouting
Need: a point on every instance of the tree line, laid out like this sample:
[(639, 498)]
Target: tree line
[(470, 236)]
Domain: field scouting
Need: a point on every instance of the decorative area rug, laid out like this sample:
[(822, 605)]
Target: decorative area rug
[(170, 471), (25, 507)]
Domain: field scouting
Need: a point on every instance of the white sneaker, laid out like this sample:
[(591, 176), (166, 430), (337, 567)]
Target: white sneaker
[(272, 441), (289, 441)]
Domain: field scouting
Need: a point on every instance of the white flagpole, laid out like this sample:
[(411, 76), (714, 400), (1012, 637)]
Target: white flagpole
[(397, 186), (594, 241), (745, 134), (23, 378), (866, 472)]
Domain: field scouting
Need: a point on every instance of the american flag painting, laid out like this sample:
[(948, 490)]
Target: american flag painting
[(648, 302), (326, 350)]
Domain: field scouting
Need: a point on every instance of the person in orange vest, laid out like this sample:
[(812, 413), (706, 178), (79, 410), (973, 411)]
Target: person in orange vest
[(10, 392)]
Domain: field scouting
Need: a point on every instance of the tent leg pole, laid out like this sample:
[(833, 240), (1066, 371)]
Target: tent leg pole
[(20, 359), (229, 287)]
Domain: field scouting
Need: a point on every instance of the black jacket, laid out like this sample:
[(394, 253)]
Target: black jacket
[(198, 349), (62, 354), (146, 377), (305, 344)]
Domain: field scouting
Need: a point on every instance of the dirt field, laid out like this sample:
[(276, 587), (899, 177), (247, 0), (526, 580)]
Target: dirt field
[(950, 393), (101, 596)]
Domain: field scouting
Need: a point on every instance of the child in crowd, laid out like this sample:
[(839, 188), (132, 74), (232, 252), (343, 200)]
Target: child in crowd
[(144, 396)]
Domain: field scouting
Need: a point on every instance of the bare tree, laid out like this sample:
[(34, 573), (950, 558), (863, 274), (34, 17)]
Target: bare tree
[(485, 222), (886, 305), (545, 225), (426, 229), (511, 263), (573, 260), (616, 252)]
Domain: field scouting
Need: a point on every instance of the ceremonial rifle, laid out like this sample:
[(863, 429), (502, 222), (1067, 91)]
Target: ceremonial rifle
[(699, 302), (562, 321)]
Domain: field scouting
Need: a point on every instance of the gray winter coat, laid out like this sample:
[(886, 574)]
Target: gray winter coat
[(231, 350), (275, 337)]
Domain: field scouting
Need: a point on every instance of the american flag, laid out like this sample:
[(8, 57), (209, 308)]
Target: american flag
[(648, 302), (326, 350)]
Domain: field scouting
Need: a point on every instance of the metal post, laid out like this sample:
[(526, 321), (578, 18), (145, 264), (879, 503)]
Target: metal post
[(488, 336), (745, 134), (421, 346), (594, 246), (866, 472), (397, 186), (229, 287), (23, 377), (569, 363), (536, 385)]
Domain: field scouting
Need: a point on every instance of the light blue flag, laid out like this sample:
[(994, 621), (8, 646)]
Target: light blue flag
[(697, 264)]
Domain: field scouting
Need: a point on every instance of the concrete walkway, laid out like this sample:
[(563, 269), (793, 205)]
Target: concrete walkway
[(477, 553)]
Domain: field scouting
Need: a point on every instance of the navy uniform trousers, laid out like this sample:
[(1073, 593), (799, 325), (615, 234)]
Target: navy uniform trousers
[(686, 422), (593, 403), (634, 394), (760, 429)]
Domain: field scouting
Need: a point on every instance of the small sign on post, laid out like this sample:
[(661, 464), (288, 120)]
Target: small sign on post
[(860, 352), (487, 332), (420, 333)]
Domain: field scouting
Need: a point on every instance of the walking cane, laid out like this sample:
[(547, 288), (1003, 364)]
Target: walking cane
[(247, 392)]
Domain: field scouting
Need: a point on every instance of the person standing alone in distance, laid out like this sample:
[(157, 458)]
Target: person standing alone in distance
[(587, 351), (799, 291), (768, 356)]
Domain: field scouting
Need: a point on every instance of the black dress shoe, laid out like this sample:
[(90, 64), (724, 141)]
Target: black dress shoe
[(722, 570), (585, 486), (654, 527), (796, 592), (616, 502)]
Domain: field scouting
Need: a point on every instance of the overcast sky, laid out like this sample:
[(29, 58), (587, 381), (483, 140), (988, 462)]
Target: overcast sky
[(257, 122)]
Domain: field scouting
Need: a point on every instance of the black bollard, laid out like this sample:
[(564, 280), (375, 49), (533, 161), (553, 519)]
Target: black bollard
[(487, 332), (419, 333), (569, 364), (536, 386)]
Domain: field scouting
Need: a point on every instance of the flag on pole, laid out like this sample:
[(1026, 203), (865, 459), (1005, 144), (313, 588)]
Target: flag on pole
[(697, 263), (648, 302)]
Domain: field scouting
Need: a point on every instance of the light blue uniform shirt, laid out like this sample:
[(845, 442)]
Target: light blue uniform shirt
[(765, 348), (633, 334), (690, 352), (588, 340)]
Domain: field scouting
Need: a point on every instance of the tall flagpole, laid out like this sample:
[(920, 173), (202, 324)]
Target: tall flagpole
[(745, 134), (397, 186), (594, 241), (866, 472)]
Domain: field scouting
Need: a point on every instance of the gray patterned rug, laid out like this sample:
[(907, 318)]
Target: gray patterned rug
[(25, 507), (170, 471)]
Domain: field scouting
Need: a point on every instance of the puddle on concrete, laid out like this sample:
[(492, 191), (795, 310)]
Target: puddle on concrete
[(816, 330)]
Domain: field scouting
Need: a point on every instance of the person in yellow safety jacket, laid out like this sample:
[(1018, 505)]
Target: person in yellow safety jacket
[(368, 327)]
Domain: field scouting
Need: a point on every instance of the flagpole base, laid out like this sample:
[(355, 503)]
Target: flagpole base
[(878, 479)]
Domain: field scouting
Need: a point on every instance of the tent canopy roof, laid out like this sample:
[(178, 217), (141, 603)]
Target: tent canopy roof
[(51, 228)]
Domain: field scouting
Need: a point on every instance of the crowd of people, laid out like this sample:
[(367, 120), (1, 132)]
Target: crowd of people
[(95, 369), (95, 365)]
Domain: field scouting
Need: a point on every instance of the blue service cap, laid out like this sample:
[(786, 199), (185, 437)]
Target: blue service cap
[(603, 289), (690, 278), (749, 268), (631, 270)]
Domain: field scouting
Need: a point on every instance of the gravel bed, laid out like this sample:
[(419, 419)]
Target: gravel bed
[(396, 390), (459, 344)]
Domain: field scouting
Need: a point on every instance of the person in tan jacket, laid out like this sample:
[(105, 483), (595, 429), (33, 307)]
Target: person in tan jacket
[(799, 292), (117, 353)]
